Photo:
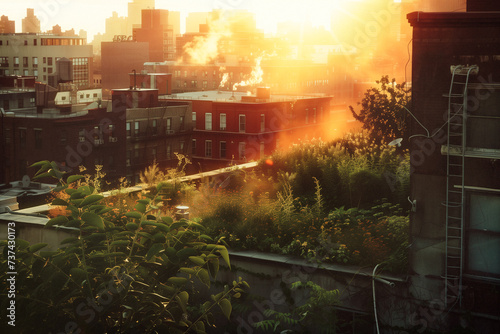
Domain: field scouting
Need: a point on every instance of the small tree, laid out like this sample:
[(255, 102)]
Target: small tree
[(128, 275), (383, 111)]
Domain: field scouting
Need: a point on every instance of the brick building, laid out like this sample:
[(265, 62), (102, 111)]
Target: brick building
[(233, 127), (455, 184)]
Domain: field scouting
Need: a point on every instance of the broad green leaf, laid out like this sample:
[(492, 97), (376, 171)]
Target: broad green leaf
[(133, 214), (203, 276), (77, 194), (59, 220), (40, 163), (185, 253), (132, 226), (167, 220), (91, 199), (177, 280), (225, 306), (189, 271), (225, 255), (140, 207), (213, 267), (73, 178), (58, 201), (153, 250), (115, 254), (178, 224), (182, 298), (37, 247), (198, 260), (144, 201), (120, 243), (93, 219)]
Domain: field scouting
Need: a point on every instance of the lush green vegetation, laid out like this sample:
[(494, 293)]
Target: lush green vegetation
[(340, 202), (129, 268)]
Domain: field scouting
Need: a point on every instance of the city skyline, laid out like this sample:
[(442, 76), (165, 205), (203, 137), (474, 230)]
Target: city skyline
[(92, 16)]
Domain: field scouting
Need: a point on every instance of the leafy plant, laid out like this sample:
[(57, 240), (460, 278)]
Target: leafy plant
[(315, 315), (129, 275)]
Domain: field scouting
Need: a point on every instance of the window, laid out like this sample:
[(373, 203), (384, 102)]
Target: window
[(25, 61), (483, 235), (181, 147), (35, 42), (193, 118), (169, 125), (49, 70), (26, 72), (208, 121), (4, 61), (136, 128), (38, 138), (222, 149), (223, 122), (16, 61), (208, 148), (241, 150), (20, 103), (262, 122), (169, 151), (242, 123), (154, 127), (262, 148), (153, 153), (129, 129), (307, 116), (314, 115), (193, 147), (45, 60), (35, 73), (6, 104), (32, 101), (49, 61), (111, 132)]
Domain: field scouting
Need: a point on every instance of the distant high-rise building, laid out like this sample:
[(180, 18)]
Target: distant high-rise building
[(7, 26), (193, 21), (36, 55), (31, 24), (115, 25), (156, 30), (135, 13), (174, 20)]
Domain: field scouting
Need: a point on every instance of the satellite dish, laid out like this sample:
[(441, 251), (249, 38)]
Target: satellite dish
[(26, 181), (396, 142)]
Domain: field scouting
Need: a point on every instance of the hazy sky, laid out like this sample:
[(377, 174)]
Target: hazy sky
[(90, 15)]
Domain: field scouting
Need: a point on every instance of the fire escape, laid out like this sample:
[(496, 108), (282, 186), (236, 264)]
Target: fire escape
[(455, 185)]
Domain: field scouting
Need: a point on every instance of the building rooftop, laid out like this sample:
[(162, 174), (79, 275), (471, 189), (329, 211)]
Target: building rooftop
[(236, 97)]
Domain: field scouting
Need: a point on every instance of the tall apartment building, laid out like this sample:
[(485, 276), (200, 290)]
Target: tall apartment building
[(158, 32), (31, 24), (36, 55), (7, 26)]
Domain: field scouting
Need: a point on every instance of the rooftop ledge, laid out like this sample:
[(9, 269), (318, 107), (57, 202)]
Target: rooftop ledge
[(453, 18)]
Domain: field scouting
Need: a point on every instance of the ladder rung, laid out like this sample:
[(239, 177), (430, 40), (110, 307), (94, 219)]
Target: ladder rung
[(455, 228), (453, 267), (456, 165), (455, 175), (451, 247), (454, 237), (454, 257), (454, 217), (453, 95), (454, 191)]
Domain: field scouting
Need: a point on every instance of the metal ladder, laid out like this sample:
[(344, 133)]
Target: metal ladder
[(455, 195)]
